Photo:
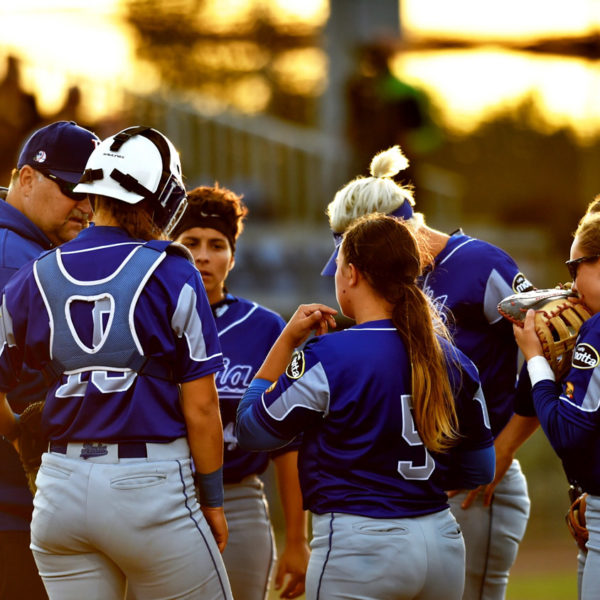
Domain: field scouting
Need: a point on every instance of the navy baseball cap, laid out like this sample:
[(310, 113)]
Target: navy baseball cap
[(61, 148), (404, 211)]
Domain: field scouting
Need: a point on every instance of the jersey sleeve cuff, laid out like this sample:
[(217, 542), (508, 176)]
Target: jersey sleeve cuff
[(539, 370)]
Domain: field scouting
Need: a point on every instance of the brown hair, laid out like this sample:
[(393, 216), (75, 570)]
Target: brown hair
[(136, 219), (215, 207), (386, 253), (588, 232)]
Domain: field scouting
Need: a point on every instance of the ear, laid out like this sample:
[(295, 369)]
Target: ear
[(353, 275), (231, 263), (26, 177)]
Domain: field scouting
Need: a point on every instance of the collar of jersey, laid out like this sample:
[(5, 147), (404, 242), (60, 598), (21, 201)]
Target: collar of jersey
[(103, 230), (379, 324), (102, 235), (226, 301), (457, 237)]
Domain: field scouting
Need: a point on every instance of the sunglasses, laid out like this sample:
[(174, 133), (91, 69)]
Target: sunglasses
[(573, 265), (66, 187)]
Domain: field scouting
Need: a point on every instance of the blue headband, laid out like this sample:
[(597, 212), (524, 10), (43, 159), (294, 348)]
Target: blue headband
[(404, 211)]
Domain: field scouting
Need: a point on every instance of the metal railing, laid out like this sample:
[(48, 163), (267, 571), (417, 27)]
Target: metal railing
[(293, 169)]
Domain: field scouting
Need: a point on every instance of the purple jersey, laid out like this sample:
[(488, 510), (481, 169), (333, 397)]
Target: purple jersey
[(171, 322), (469, 278), (570, 412), (350, 393), (246, 333)]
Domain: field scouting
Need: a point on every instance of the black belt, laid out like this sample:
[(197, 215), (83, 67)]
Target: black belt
[(126, 449)]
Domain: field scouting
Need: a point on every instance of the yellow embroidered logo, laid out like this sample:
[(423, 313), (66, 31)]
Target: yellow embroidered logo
[(295, 369)]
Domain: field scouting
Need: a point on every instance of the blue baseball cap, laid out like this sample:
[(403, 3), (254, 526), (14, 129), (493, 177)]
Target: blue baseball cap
[(61, 148), (330, 268), (404, 211)]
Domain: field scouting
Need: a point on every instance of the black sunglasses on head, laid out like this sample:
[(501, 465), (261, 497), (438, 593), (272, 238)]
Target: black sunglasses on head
[(573, 265), (66, 187)]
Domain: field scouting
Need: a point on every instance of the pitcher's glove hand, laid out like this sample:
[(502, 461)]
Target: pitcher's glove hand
[(575, 519), (559, 315), (31, 441)]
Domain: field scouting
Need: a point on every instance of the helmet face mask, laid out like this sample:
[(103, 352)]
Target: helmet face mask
[(138, 163), (173, 202)]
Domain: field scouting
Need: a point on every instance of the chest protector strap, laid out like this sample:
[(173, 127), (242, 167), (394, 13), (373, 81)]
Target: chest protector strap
[(116, 346)]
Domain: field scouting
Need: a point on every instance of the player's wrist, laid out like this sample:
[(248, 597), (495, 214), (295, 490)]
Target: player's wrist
[(295, 539), (15, 430), (539, 370), (210, 488)]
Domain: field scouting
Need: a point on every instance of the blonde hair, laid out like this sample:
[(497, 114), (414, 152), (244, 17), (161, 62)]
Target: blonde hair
[(386, 253), (593, 206), (366, 195)]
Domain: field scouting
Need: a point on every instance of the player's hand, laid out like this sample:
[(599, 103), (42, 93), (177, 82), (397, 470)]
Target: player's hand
[(215, 517), (308, 318), (526, 337), (292, 566), (470, 497)]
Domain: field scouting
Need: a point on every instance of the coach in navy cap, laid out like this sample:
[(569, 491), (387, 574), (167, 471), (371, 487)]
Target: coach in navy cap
[(37, 212)]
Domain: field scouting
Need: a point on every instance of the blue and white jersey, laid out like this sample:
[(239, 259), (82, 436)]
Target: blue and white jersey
[(172, 322), (569, 412), (349, 392), (246, 333), (20, 241), (468, 279)]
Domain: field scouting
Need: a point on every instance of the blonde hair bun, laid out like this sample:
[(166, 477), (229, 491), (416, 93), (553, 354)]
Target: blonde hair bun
[(388, 162)]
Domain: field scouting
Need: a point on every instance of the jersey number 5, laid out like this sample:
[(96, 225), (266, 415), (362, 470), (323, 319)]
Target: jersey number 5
[(407, 468)]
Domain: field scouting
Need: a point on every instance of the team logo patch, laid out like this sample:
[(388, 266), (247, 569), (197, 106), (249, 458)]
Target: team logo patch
[(569, 390), (295, 369), (521, 284), (40, 157), (585, 356)]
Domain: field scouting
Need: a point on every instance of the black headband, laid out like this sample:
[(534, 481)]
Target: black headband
[(192, 219)]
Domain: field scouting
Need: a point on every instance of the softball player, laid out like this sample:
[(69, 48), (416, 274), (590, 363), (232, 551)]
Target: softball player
[(391, 415), (120, 323), (570, 412), (209, 229), (465, 279)]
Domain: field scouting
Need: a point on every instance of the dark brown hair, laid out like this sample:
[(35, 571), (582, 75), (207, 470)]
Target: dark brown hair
[(215, 207)]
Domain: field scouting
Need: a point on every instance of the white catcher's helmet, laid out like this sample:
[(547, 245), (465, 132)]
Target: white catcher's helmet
[(138, 163)]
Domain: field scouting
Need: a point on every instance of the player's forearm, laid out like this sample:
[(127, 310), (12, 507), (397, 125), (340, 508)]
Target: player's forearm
[(317, 318), (8, 420), (200, 404), (277, 359), (469, 469), (564, 424), (250, 433), (516, 432), (288, 484)]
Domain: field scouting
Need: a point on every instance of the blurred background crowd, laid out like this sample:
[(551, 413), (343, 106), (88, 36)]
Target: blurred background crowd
[(494, 103)]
